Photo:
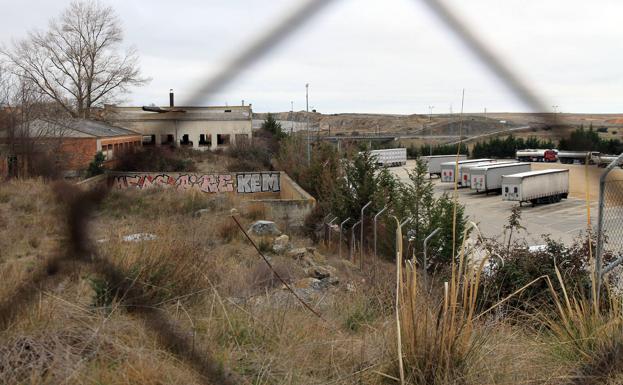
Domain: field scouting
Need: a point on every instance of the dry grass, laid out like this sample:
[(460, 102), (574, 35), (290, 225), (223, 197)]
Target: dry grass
[(438, 329), (206, 279), (587, 333)]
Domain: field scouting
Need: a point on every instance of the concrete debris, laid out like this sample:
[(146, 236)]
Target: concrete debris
[(281, 244), (307, 283), (297, 253), (320, 272), (200, 213), (264, 228), (139, 237)]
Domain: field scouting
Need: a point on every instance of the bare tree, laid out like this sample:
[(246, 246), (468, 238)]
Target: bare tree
[(31, 128), (78, 61)]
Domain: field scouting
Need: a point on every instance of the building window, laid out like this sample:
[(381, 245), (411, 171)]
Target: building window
[(222, 139), (242, 139), (149, 140), (185, 141), (107, 150), (205, 140)]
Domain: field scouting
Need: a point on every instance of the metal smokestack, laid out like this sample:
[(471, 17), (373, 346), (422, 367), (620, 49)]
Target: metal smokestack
[(171, 102)]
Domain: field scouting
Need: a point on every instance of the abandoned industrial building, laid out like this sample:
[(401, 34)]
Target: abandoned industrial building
[(70, 144), (202, 128)]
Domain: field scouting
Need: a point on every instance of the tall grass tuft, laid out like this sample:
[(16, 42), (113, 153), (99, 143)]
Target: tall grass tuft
[(437, 328), (587, 333)]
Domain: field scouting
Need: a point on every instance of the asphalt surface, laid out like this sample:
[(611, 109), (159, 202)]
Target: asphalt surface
[(563, 221)]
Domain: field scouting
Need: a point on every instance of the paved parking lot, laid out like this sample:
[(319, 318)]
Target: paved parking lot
[(563, 221)]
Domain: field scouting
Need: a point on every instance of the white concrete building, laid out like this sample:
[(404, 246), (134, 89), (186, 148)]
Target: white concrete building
[(201, 128)]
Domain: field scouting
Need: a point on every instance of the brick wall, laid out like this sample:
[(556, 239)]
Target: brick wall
[(76, 153), (119, 145)]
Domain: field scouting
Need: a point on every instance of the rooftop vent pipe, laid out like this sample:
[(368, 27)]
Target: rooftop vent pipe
[(171, 103)]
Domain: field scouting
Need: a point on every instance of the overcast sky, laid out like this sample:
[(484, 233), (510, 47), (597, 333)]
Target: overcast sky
[(390, 56)]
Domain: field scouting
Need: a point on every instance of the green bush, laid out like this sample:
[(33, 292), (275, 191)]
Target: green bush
[(96, 167)]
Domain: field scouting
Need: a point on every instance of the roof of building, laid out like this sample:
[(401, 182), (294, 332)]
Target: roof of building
[(178, 113), (77, 128)]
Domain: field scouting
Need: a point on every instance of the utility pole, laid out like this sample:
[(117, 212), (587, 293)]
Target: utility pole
[(307, 116), (430, 117), (291, 117)]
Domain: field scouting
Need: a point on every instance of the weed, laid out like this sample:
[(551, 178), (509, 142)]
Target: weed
[(264, 245), (255, 211), (227, 231), (34, 242), (588, 333), (102, 292), (362, 314)]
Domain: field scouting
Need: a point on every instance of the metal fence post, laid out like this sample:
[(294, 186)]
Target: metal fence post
[(324, 226), (361, 239), (341, 232), (352, 241), (601, 227), (425, 261), (402, 225), (330, 224), (375, 222)]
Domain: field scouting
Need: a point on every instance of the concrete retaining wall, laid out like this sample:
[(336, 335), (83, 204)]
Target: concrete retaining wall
[(273, 192)]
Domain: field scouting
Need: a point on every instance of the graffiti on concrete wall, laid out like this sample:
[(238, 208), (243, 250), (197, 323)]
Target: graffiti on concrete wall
[(209, 183), (253, 182)]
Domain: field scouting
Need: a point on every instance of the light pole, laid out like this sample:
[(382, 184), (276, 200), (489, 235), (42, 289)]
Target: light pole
[(307, 119)]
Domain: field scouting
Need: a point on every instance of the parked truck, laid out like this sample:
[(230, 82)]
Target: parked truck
[(489, 178), (434, 162), (465, 170), (571, 157), (536, 155), (604, 160), (542, 186), (390, 157), (447, 168)]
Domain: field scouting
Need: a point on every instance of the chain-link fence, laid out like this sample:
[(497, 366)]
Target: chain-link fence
[(611, 203), (610, 220)]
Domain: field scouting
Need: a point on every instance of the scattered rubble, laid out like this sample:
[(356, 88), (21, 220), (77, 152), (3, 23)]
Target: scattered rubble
[(139, 237), (281, 244), (201, 212), (264, 228)]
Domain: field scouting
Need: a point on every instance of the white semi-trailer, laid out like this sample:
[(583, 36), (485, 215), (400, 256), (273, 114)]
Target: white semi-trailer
[(542, 186), (465, 170), (434, 162), (390, 157), (489, 178), (447, 168)]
